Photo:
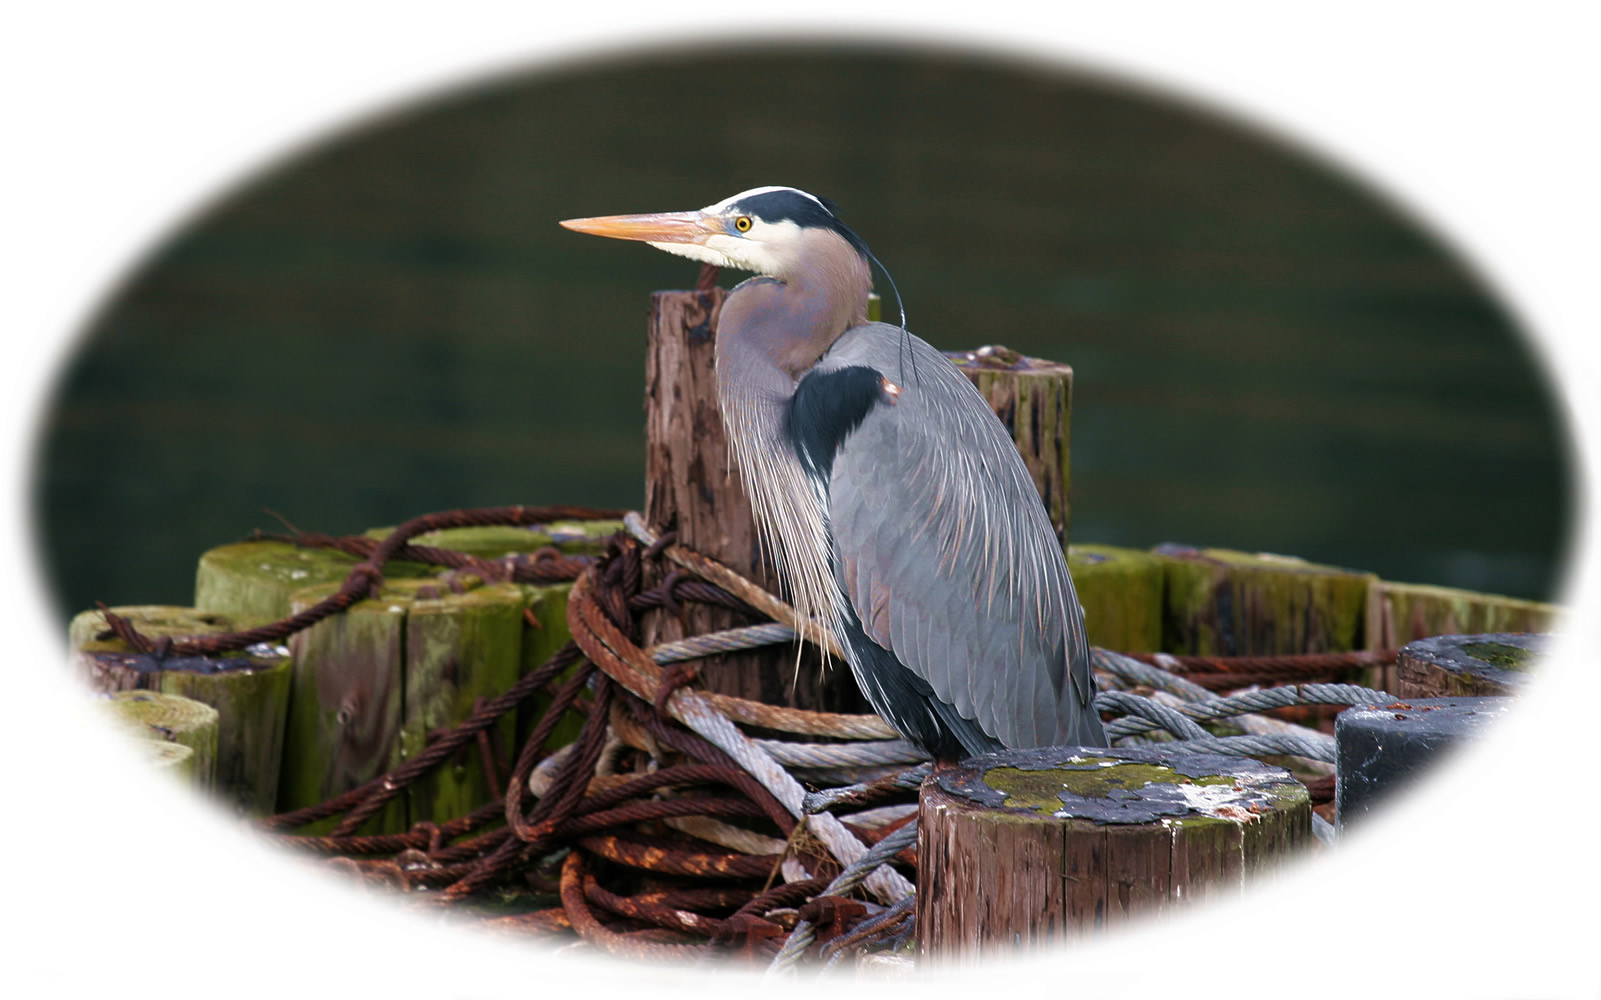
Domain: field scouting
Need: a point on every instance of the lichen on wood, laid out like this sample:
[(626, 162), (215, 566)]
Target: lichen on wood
[(1021, 848), (1444, 666)]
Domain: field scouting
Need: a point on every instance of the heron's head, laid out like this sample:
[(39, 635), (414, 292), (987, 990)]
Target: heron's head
[(776, 231)]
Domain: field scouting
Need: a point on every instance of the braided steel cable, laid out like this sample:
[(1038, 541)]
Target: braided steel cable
[(614, 653), (854, 874)]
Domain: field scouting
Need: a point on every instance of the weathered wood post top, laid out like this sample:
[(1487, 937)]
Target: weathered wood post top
[(1019, 848)]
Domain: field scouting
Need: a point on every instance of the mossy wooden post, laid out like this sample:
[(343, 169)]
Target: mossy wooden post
[(1226, 603), (256, 580), (345, 707), (693, 489), (543, 636), (1121, 592), (1468, 665), (173, 758), (372, 683), (545, 604), (1034, 399), (458, 648), (1019, 849), (1381, 749), (494, 541), (173, 719), (249, 690), (1398, 613)]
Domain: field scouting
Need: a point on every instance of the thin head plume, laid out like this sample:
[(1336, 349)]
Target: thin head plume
[(900, 307)]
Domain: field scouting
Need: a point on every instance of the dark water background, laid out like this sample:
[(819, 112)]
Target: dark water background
[(1267, 356)]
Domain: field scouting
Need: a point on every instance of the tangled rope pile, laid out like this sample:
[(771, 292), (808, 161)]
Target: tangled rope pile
[(664, 831)]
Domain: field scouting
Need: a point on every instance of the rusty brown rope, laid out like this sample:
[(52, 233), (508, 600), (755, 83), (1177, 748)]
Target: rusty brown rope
[(573, 879), (1218, 672)]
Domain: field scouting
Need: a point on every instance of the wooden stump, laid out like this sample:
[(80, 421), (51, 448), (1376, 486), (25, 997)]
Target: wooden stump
[(1226, 603), (372, 683), (1382, 749), (171, 718), (1468, 665), (1034, 399), (174, 758), (542, 637), (255, 580), (249, 690), (693, 489), (1019, 849), (1121, 592), (1399, 613), (493, 541)]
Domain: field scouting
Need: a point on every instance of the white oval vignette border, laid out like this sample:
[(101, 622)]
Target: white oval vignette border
[(125, 120)]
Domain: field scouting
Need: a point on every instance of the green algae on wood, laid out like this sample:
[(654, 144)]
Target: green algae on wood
[(249, 689), (1221, 602), (459, 648), (1020, 848), (256, 580), (1446, 666), (373, 683), (345, 705), (172, 719), (544, 633), (158, 621), (495, 541), (1121, 593), (1399, 613)]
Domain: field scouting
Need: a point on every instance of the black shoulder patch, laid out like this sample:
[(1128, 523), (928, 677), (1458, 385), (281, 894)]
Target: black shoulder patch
[(826, 408)]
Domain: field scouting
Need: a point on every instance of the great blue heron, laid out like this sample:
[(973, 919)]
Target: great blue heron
[(895, 505)]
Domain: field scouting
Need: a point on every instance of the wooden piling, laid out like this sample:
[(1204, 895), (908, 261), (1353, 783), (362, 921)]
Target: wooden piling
[(171, 718), (1121, 593), (1221, 602), (1034, 399), (1019, 849), (1398, 613), (372, 683), (256, 580), (1468, 665), (693, 489), (495, 541), (248, 689), (544, 633)]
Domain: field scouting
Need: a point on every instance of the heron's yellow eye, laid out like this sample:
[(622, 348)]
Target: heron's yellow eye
[(742, 223)]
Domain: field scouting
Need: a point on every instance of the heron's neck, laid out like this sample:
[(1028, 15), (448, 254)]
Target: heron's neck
[(789, 324)]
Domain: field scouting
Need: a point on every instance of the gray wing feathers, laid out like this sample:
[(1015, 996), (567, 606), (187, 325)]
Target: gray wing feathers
[(947, 556)]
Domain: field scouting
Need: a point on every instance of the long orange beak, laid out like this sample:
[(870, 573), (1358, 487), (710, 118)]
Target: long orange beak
[(656, 227)]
